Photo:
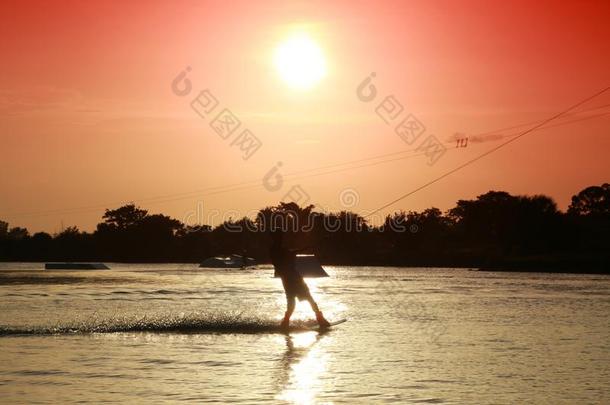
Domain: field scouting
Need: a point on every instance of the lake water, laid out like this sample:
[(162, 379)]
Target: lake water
[(167, 333)]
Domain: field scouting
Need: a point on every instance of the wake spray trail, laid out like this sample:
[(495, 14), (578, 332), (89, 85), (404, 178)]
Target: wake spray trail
[(189, 323)]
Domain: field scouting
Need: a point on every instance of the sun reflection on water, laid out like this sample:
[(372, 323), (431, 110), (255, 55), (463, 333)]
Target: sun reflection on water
[(303, 364)]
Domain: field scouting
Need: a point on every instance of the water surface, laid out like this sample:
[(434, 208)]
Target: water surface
[(155, 333)]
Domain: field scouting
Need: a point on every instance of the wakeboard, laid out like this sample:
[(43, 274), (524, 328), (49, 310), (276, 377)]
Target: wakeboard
[(335, 323)]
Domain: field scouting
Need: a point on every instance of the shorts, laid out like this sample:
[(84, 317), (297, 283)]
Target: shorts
[(295, 287)]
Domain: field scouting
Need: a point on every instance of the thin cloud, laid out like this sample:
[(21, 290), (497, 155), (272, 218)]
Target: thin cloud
[(43, 98)]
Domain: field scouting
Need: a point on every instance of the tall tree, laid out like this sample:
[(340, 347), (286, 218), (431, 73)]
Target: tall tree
[(125, 216), (594, 200)]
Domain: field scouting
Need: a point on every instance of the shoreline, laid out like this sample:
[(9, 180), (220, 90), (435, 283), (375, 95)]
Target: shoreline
[(531, 267)]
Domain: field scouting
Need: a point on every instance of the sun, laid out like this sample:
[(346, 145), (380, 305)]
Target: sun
[(300, 62)]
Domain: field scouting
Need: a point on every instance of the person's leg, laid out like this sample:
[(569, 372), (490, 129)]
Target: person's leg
[(313, 304), (319, 316), (291, 304)]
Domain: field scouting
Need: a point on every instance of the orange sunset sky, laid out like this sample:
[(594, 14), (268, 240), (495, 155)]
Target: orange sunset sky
[(89, 119)]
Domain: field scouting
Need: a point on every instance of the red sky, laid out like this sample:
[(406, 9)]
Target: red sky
[(88, 117)]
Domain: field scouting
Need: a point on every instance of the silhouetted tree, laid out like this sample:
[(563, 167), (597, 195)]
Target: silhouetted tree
[(340, 237), (124, 217), (194, 243), (18, 233), (41, 246), (73, 245), (3, 230), (416, 236), (594, 200), (153, 236), (589, 222), (497, 225), (3, 240), (496, 229)]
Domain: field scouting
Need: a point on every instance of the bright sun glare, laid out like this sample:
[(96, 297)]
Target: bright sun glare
[(300, 62)]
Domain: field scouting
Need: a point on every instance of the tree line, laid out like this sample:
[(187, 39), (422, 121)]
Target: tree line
[(496, 230)]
